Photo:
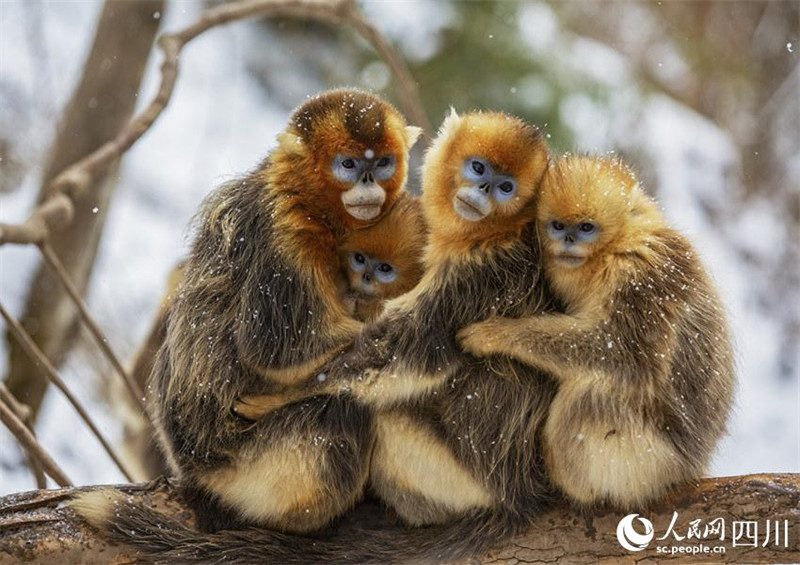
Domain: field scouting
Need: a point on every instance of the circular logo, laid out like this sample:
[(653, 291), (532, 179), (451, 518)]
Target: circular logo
[(629, 538)]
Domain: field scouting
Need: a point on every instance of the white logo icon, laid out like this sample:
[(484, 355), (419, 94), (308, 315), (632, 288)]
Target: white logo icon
[(629, 538)]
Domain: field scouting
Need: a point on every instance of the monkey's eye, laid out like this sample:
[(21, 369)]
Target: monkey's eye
[(556, 225), (383, 162), (385, 268), (587, 227), (348, 164), (359, 258), (478, 167), (506, 186)]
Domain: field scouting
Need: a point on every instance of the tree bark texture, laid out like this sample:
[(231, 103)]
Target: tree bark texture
[(37, 527)]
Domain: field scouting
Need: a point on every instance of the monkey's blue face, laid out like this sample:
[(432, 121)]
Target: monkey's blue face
[(364, 175), (571, 243), (483, 190), (369, 273)]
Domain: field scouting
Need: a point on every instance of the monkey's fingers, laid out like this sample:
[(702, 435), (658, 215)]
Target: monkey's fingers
[(479, 338)]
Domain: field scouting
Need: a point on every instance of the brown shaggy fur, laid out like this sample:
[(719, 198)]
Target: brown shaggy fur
[(458, 436), (643, 355), (468, 458), (259, 311)]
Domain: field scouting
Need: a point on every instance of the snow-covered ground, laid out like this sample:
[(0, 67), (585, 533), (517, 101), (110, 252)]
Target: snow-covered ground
[(221, 122)]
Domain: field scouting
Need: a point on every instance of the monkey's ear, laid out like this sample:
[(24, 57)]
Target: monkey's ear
[(450, 124), (291, 142), (412, 135), (635, 195)]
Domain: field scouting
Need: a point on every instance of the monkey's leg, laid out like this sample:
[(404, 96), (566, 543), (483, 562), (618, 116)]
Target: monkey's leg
[(415, 472), (597, 449), (304, 467)]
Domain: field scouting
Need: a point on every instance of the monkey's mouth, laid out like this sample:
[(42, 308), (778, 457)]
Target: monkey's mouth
[(363, 211), (364, 201), (368, 289), (569, 260), (468, 210)]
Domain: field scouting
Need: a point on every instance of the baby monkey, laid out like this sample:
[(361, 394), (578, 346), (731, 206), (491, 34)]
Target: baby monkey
[(642, 353), (385, 260)]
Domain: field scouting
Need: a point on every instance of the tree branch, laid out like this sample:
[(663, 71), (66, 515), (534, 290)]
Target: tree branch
[(20, 431), (23, 413), (50, 371), (37, 528), (61, 273), (73, 182)]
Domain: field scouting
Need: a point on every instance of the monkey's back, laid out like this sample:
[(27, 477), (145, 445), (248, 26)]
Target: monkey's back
[(672, 345), (220, 326), (702, 376), (492, 413)]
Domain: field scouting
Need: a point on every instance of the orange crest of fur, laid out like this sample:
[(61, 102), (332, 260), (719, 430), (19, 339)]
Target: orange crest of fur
[(511, 146), (347, 122), (399, 238), (600, 190)]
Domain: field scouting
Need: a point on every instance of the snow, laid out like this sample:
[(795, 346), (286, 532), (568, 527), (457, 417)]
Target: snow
[(190, 150), (221, 122)]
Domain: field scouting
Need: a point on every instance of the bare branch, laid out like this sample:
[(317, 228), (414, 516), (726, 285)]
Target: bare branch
[(409, 92), (55, 263), (56, 212), (28, 441), (23, 412), (52, 374), (76, 178)]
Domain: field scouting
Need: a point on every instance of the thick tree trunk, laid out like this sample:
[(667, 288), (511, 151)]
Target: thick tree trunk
[(100, 107), (37, 528)]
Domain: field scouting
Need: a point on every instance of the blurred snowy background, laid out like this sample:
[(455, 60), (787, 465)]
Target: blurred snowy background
[(702, 97)]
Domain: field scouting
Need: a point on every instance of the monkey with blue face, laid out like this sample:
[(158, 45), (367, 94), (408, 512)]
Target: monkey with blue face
[(454, 439), (642, 352), (260, 312), (383, 261)]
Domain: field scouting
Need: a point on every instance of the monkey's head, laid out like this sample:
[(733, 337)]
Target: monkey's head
[(350, 150), (385, 260), (586, 207), (481, 175)]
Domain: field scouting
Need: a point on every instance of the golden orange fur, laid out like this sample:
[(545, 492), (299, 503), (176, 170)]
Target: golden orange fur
[(606, 192), (453, 439), (399, 239), (642, 355), (506, 141), (260, 311), (310, 224)]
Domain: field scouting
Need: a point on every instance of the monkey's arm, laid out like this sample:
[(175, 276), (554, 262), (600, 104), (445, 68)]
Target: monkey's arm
[(291, 327), (406, 353), (569, 346), (394, 360), (548, 342)]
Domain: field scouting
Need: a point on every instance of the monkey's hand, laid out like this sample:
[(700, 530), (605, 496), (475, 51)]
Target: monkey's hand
[(487, 337), (350, 302)]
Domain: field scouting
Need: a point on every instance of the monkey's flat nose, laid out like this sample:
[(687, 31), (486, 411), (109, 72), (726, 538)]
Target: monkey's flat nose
[(484, 187), (368, 178), (367, 277), (570, 238)]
